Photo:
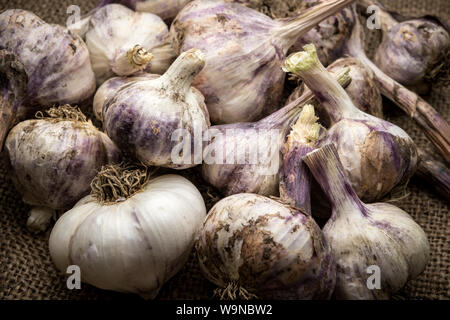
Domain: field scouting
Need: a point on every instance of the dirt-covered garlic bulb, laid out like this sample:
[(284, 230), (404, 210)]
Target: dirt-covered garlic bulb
[(253, 246), (376, 154), (53, 160), (153, 119), (132, 233), (376, 239), (109, 88), (123, 42), (41, 65), (244, 49)]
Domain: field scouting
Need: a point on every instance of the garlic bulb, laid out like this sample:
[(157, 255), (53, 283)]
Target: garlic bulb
[(253, 246), (143, 116), (362, 90), (132, 233), (245, 157), (435, 127), (109, 88), (50, 67), (413, 50), (123, 42), (242, 80), (365, 237), (376, 154), (53, 160)]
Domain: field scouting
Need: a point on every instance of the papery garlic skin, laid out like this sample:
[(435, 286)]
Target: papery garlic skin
[(143, 117), (270, 249), (377, 155), (255, 149), (365, 235), (134, 245), (115, 30), (53, 162), (109, 88), (242, 80), (412, 51), (55, 60)]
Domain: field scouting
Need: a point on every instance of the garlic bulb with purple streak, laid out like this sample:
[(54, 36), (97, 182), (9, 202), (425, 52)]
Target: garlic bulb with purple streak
[(123, 42), (376, 154), (362, 90), (364, 237), (133, 233), (435, 127), (413, 50), (42, 65), (245, 157), (109, 88), (149, 118), (244, 49), (253, 246), (53, 160)]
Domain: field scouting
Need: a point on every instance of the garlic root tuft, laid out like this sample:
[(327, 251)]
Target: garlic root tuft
[(233, 291)]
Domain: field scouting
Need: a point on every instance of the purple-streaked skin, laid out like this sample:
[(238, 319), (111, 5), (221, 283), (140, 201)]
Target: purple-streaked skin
[(412, 50), (432, 123), (112, 35), (260, 178), (55, 60), (242, 79), (362, 90), (268, 248), (363, 235), (377, 155), (13, 81), (142, 116), (110, 87), (295, 177), (53, 161), (436, 173)]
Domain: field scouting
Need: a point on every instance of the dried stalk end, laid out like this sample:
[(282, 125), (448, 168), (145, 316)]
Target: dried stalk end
[(301, 61), (233, 291), (118, 182), (306, 130), (138, 57), (61, 113)]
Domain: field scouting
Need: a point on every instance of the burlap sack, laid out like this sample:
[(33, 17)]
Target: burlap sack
[(27, 271)]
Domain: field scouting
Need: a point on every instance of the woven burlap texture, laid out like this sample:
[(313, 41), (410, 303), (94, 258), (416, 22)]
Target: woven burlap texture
[(27, 271)]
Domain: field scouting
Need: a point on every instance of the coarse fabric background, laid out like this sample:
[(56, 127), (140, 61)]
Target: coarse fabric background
[(26, 269)]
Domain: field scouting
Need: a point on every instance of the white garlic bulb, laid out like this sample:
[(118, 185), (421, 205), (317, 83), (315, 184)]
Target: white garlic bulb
[(123, 42), (134, 241)]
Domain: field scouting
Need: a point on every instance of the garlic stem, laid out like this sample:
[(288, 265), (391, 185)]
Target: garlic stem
[(327, 90), (386, 19), (131, 61), (432, 123), (435, 173), (294, 175), (295, 27), (39, 219), (288, 112), (327, 169), (184, 69)]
